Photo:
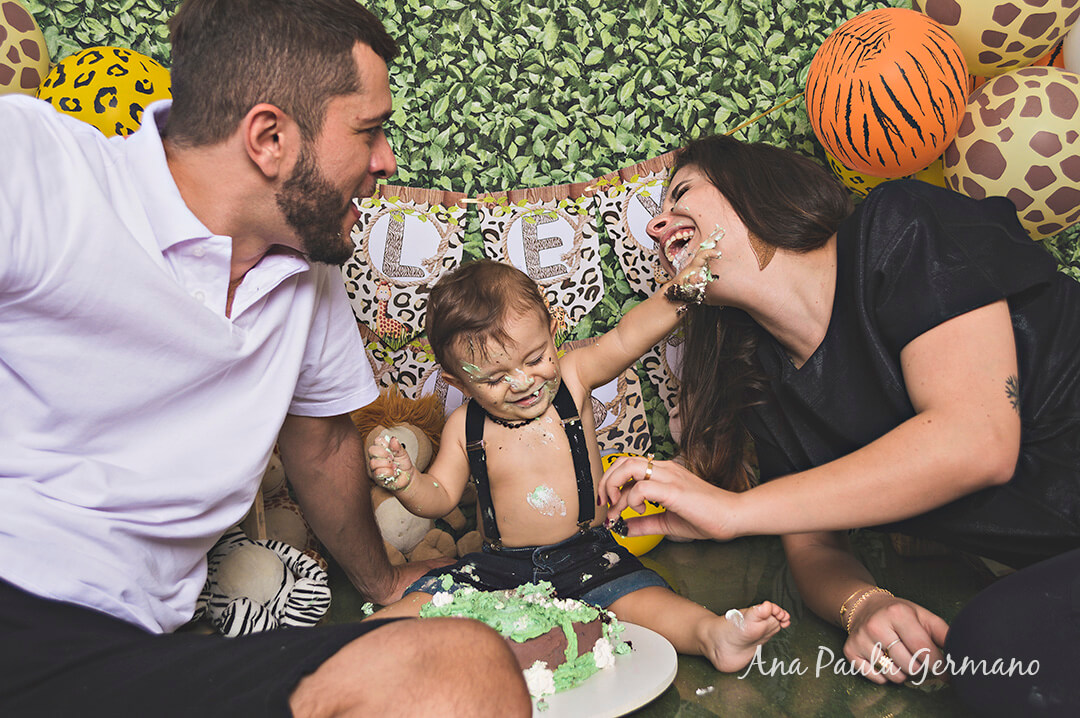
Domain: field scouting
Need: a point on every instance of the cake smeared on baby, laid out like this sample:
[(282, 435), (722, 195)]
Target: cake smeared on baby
[(523, 438)]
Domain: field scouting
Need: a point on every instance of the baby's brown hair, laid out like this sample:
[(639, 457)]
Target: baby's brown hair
[(470, 307)]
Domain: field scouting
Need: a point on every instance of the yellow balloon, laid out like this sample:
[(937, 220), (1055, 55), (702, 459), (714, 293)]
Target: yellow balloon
[(109, 87), (637, 545), (999, 37), (861, 184), (856, 181), (24, 56), (934, 174)]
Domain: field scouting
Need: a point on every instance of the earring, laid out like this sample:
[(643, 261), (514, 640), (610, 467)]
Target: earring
[(764, 252)]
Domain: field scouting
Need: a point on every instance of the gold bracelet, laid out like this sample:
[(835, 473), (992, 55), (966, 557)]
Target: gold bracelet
[(843, 606), (851, 611)]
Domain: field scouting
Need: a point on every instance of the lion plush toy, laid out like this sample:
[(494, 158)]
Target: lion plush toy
[(417, 424)]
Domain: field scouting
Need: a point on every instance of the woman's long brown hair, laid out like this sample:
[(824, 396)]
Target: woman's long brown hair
[(788, 201)]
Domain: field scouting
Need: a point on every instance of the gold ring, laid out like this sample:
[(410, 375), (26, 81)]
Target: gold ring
[(648, 468), (882, 663)]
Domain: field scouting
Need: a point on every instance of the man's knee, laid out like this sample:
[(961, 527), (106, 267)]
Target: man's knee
[(445, 666), (473, 664)]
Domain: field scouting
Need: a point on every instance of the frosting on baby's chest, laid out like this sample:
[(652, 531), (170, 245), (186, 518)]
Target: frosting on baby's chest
[(532, 467)]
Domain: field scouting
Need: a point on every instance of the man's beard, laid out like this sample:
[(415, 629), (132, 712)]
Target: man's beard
[(313, 208)]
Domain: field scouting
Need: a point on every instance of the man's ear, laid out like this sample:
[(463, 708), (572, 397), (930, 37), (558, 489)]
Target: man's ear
[(271, 138)]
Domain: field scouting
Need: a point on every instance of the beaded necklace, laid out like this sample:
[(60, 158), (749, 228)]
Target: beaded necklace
[(512, 424)]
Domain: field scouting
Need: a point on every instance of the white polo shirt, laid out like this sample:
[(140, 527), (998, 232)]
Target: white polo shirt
[(136, 419)]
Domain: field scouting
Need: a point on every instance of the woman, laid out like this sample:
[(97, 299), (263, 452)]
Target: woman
[(912, 367)]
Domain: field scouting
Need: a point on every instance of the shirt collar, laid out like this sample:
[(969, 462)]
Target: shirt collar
[(171, 220)]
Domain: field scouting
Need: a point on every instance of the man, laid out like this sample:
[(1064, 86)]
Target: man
[(164, 319)]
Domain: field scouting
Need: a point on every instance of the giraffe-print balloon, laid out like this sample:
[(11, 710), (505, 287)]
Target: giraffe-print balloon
[(1001, 35), (24, 57), (1020, 138)]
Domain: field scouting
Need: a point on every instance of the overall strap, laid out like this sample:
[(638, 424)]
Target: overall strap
[(474, 447), (579, 449)]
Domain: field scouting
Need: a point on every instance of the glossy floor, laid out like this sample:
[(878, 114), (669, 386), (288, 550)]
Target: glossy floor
[(798, 671)]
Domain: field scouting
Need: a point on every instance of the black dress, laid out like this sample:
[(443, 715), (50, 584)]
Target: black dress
[(911, 257)]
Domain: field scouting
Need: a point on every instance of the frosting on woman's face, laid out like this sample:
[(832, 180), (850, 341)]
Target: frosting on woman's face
[(690, 219), (695, 217)]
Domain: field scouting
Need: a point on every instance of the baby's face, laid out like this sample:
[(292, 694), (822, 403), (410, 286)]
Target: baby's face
[(517, 381)]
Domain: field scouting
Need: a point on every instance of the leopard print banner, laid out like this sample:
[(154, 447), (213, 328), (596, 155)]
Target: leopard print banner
[(406, 238), (662, 364), (618, 412), (550, 233), (409, 368), (628, 199)]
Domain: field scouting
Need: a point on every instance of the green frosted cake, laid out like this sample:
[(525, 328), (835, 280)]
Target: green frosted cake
[(559, 642)]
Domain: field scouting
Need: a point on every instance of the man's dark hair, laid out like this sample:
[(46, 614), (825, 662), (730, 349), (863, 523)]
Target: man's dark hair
[(230, 55)]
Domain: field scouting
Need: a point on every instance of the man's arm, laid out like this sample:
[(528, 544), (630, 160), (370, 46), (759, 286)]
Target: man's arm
[(324, 461)]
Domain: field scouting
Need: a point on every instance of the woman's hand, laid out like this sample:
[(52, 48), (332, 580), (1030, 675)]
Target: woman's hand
[(893, 639), (695, 509)]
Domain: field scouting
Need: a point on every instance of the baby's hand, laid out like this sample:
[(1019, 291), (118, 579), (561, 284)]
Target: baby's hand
[(689, 284), (697, 269), (389, 463)]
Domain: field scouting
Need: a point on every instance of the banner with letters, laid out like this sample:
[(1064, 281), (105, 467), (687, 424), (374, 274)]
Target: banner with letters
[(406, 238)]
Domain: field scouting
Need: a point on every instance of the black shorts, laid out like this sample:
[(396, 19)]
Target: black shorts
[(590, 566), (59, 659)]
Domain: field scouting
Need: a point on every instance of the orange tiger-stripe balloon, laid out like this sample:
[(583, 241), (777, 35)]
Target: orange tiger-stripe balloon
[(886, 91)]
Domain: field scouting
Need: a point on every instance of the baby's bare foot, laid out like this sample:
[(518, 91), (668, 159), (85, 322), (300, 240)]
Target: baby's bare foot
[(730, 642)]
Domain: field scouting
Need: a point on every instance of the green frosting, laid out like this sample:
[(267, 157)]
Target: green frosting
[(528, 611)]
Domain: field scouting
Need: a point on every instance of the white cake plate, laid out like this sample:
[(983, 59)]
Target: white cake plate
[(636, 678)]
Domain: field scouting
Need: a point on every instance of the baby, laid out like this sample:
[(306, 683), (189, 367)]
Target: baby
[(528, 439)]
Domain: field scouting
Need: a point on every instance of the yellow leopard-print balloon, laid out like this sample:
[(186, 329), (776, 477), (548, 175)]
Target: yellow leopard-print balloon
[(108, 87)]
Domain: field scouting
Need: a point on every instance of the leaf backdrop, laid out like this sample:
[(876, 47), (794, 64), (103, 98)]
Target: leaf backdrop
[(493, 96)]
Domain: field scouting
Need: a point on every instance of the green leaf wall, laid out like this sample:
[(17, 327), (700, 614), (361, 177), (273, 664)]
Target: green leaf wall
[(495, 95)]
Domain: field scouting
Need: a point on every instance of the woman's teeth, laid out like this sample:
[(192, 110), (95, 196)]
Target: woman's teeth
[(678, 250)]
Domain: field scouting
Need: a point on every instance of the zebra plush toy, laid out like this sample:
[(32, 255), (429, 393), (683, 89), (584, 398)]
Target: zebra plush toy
[(254, 586)]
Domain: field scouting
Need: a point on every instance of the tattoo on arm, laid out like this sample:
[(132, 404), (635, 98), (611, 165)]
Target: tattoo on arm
[(1012, 390)]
